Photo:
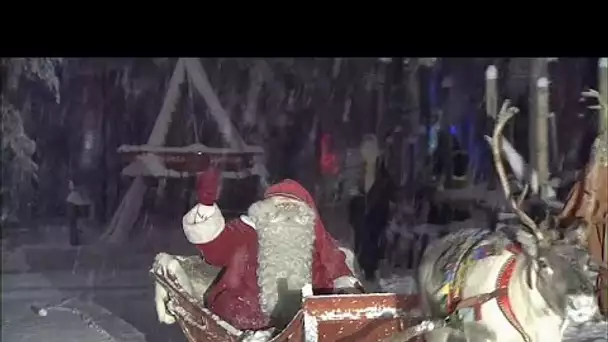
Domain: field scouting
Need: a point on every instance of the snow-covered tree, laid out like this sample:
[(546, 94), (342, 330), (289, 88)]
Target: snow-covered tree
[(18, 165)]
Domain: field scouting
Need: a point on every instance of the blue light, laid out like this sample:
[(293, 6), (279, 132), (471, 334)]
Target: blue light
[(453, 130)]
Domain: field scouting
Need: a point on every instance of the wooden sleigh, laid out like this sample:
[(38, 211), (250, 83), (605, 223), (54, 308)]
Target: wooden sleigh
[(359, 317)]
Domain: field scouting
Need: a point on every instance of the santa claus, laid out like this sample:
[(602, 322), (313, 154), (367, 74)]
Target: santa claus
[(268, 255)]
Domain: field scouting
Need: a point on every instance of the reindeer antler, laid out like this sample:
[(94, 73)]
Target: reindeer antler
[(506, 113)]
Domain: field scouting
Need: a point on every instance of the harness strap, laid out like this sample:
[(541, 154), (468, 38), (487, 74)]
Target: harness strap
[(501, 292), (504, 304)]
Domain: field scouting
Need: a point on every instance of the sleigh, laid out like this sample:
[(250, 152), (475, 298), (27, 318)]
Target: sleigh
[(358, 317)]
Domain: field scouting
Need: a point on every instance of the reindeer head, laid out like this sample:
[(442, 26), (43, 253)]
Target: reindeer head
[(556, 268), (559, 273)]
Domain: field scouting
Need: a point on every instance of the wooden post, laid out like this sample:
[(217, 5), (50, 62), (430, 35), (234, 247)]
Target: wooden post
[(554, 157), (534, 75), (603, 89), (491, 96), (542, 135), (492, 91), (554, 143), (538, 69)]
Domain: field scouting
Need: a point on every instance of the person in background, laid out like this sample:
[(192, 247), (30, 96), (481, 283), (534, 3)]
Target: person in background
[(369, 208)]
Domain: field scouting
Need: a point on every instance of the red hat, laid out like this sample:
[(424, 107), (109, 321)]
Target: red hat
[(292, 189)]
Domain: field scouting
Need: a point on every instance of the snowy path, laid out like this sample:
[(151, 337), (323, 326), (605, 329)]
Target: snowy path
[(66, 315), (74, 320), (113, 283)]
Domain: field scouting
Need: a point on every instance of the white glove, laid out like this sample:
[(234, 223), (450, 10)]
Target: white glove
[(161, 297), (165, 264)]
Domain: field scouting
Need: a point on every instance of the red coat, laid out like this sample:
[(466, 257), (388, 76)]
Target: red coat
[(235, 296)]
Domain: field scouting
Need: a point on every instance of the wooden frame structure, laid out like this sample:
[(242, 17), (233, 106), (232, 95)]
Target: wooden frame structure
[(155, 160)]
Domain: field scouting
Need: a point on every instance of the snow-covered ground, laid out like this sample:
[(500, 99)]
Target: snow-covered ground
[(113, 290), (588, 332), (102, 295), (35, 310)]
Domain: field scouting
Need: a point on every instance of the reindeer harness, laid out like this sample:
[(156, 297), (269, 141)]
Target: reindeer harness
[(469, 309)]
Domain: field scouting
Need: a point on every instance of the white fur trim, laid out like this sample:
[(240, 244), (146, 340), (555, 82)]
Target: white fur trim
[(257, 336), (581, 308), (278, 209), (307, 291), (345, 282), (203, 223), (248, 221), (351, 262)]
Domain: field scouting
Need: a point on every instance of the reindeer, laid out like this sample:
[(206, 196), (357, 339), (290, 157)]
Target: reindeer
[(515, 284), (587, 195)]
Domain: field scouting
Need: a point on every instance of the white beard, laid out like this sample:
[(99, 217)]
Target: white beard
[(286, 237)]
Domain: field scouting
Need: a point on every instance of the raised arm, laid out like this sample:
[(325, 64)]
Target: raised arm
[(205, 226)]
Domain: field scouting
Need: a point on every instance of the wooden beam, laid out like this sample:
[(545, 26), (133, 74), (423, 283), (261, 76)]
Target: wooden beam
[(542, 135), (125, 216), (603, 89), (193, 149), (161, 126)]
